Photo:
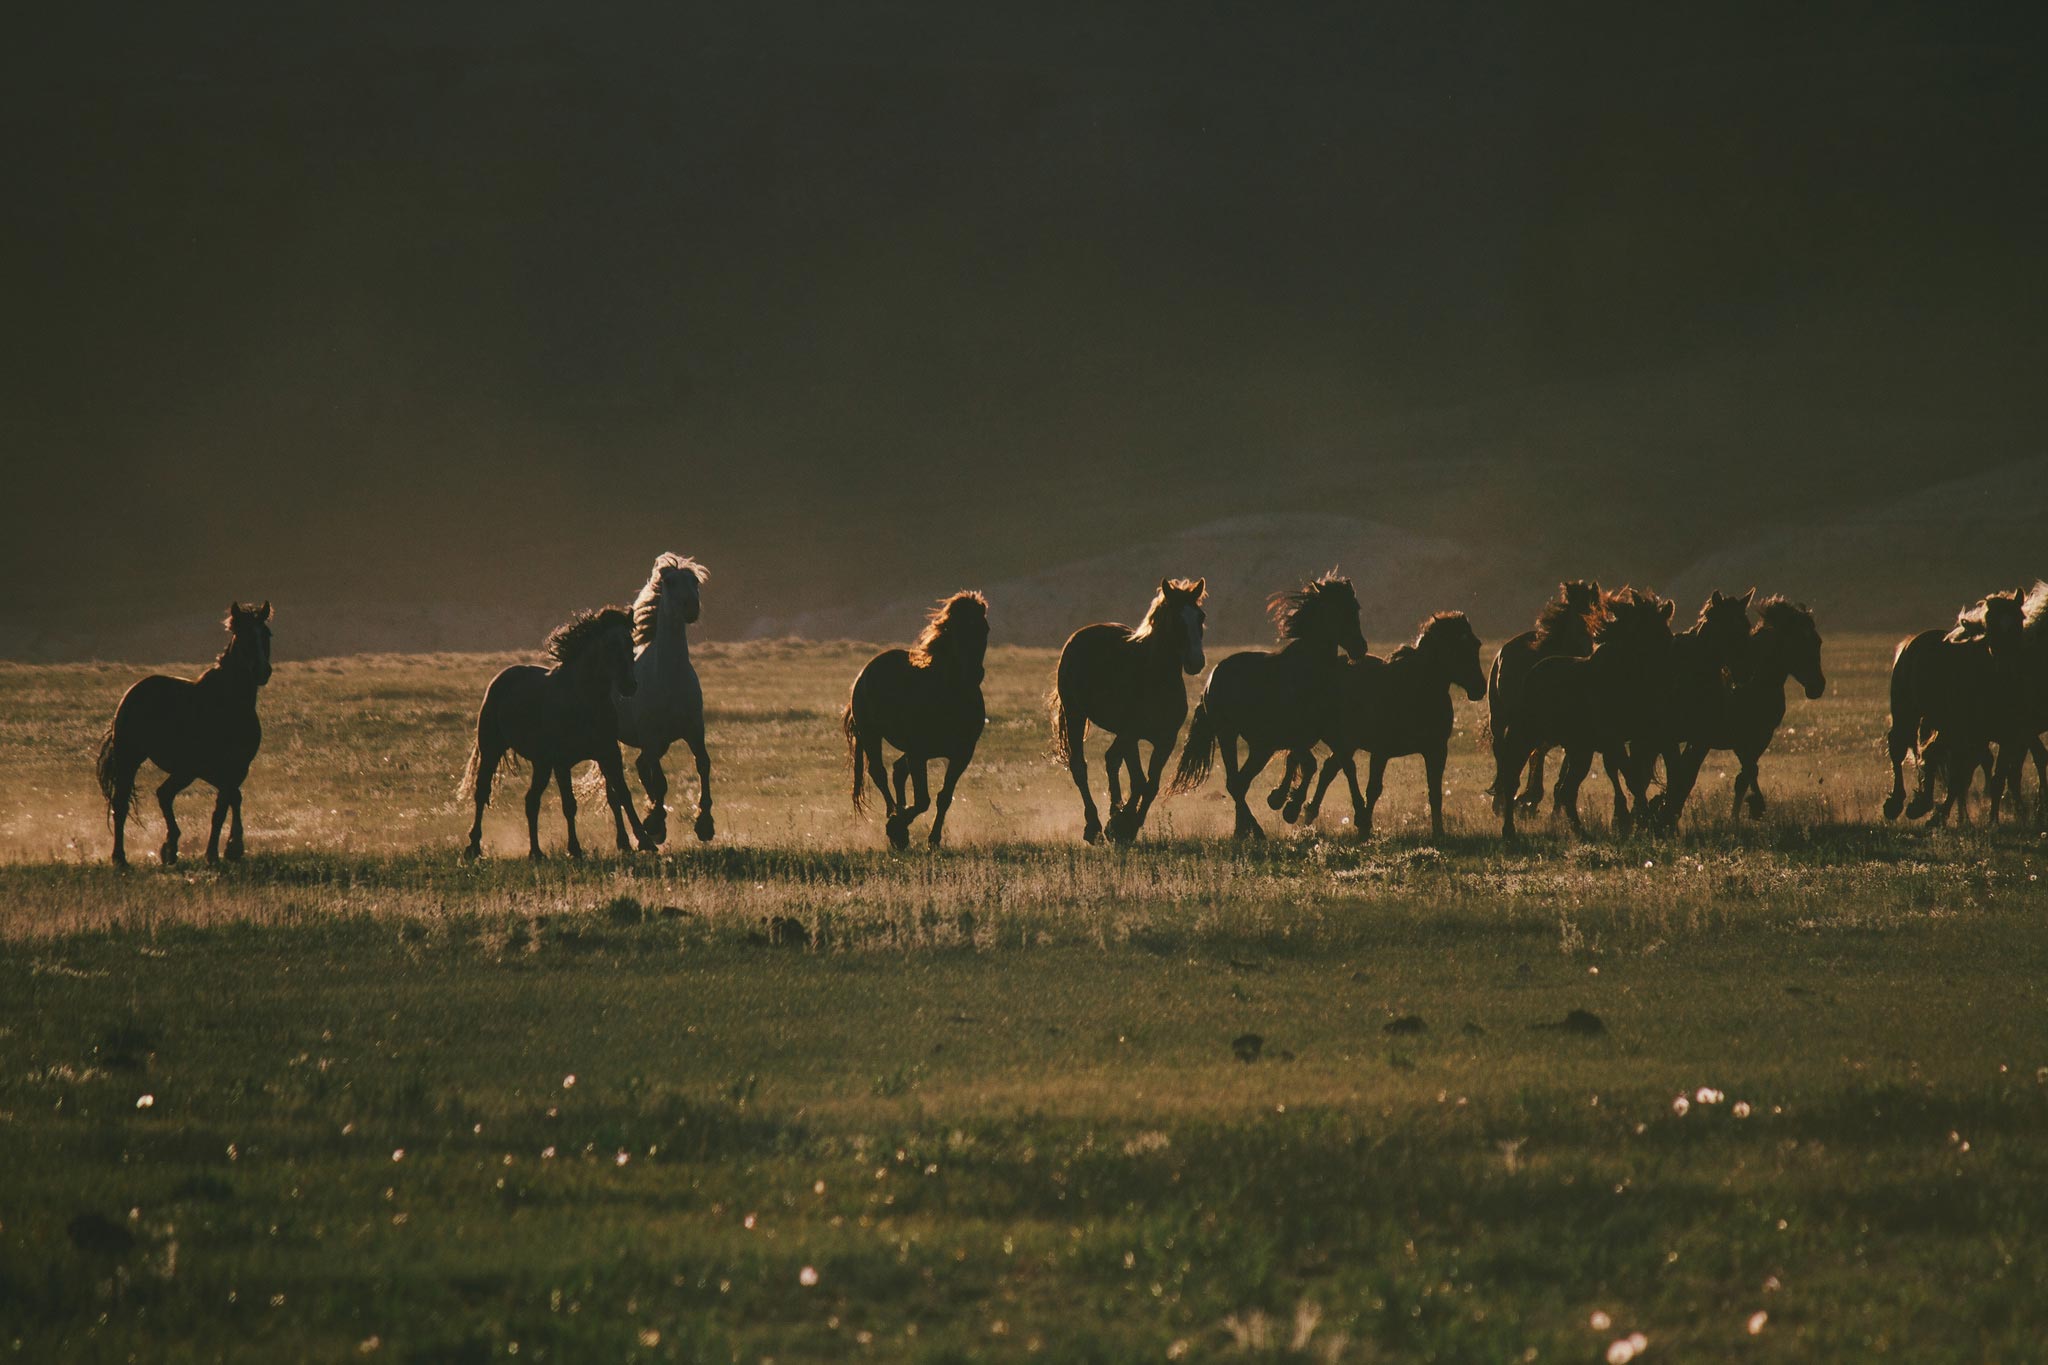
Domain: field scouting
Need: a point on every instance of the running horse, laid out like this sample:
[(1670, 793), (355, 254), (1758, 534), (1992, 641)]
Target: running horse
[(926, 701), (667, 702), (1563, 630)]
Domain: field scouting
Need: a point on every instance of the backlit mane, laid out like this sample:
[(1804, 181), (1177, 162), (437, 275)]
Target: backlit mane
[(1182, 587), (1972, 621), (1564, 619), (1290, 610), (943, 620), (1779, 613), (648, 603), (572, 639), (1628, 615)]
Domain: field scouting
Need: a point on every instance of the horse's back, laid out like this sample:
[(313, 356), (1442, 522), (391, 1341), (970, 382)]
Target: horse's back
[(914, 708), (1274, 698)]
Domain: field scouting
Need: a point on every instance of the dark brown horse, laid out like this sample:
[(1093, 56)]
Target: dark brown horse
[(926, 702), (1564, 630), (196, 731), (1128, 682), (1954, 694), (1704, 662), (1392, 708), (1601, 704), (1275, 700), (555, 718), (1785, 644)]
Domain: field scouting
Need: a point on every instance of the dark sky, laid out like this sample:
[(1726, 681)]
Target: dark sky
[(860, 300)]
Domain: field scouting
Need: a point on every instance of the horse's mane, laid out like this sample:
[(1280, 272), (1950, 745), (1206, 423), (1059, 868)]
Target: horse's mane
[(1971, 621), (1289, 610), (648, 603), (942, 620), (1627, 614), (569, 641), (1781, 613), (1560, 618), (1185, 587)]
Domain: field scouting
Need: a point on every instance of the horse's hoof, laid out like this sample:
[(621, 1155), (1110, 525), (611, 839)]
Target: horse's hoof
[(1918, 807), (120, 860), (1529, 802), (1277, 798), (1892, 806), (899, 834), (168, 855), (1091, 832), (1291, 814), (706, 830), (212, 858), (536, 856), (932, 840)]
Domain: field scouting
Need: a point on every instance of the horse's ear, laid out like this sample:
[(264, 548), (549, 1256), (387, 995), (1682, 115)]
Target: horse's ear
[(1165, 585), (1748, 598), (264, 615), (1669, 607), (1201, 588)]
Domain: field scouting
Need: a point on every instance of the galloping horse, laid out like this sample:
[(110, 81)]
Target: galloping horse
[(1785, 644), (555, 718), (926, 701), (1564, 630), (1603, 703), (1128, 682), (1702, 659), (1392, 708), (667, 704), (1954, 694), (1275, 700), (196, 731)]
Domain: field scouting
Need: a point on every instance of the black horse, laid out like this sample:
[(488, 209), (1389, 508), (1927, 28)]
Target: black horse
[(1392, 708), (1563, 630), (1954, 694), (555, 718), (1275, 700), (1601, 704), (1704, 661), (196, 731), (1128, 682), (1785, 644), (925, 701)]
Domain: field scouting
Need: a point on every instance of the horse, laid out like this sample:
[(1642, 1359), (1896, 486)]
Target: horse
[(1954, 694), (1703, 657), (926, 702), (1597, 704), (196, 730), (1563, 630), (1127, 682), (1785, 644), (1274, 700), (555, 718), (667, 703), (2010, 767), (1392, 708)]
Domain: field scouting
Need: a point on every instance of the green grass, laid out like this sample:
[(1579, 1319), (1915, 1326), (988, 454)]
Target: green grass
[(990, 1097)]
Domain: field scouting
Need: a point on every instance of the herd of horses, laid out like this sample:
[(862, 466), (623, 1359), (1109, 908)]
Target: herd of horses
[(1602, 675)]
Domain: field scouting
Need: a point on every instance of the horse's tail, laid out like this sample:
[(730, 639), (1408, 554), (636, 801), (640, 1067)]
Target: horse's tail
[(104, 771), (1198, 753), (1056, 705), (851, 726)]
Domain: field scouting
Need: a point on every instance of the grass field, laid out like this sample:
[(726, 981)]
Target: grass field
[(790, 1096)]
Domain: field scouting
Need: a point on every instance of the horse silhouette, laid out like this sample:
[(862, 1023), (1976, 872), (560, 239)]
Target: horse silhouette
[(200, 730), (1275, 700), (1785, 644), (1703, 660), (555, 718), (1128, 682), (926, 702), (1599, 704), (1392, 708), (1954, 694), (1563, 630), (668, 703)]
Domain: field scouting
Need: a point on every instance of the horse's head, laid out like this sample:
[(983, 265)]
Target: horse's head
[(955, 638), (1724, 626), (1325, 611), (1452, 647), (248, 627), (2005, 617), (1176, 613), (597, 646), (1638, 623), (676, 584), (1581, 596), (1797, 639)]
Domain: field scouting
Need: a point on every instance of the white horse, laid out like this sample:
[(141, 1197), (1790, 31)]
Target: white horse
[(668, 704)]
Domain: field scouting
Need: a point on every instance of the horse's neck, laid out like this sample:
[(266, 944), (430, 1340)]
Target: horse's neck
[(1162, 655), (1768, 667), (671, 644), (228, 680)]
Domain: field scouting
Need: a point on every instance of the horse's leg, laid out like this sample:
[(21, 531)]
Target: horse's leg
[(1932, 755), (705, 828), (1113, 764), (898, 826), (920, 783), (1290, 771), (1077, 768), (1433, 773), (534, 790), (1571, 771), (1375, 783), (1622, 816), (122, 799), (1157, 766), (220, 817), (2040, 753), (654, 827), (956, 764), (619, 797), (233, 851), (1256, 758), (486, 768), (1897, 740), (165, 795), (1331, 766), (566, 785), (1134, 765), (1301, 772), (871, 751), (1532, 795)]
